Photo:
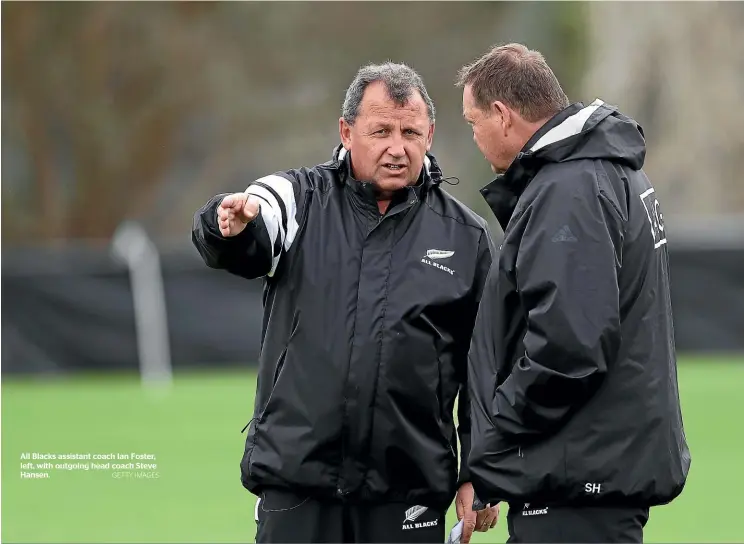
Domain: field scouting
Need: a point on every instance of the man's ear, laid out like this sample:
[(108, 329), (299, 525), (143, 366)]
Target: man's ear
[(344, 131), (430, 137), (504, 113)]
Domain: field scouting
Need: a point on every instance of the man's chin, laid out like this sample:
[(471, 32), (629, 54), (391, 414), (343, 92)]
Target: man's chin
[(389, 186)]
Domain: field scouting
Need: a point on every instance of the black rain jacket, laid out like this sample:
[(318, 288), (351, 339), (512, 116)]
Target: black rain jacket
[(367, 323), (573, 373)]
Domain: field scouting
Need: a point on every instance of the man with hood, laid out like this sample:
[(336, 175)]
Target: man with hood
[(575, 410), (372, 277)]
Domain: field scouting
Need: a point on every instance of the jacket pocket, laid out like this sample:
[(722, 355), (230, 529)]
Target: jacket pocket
[(445, 422), (440, 390), (275, 380), (260, 417)]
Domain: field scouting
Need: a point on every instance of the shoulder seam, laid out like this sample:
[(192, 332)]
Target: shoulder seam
[(479, 228)]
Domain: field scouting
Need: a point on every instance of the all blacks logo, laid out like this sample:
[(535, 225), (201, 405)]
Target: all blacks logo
[(411, 519)]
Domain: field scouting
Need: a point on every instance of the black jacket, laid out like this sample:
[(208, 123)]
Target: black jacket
[(572, 367), (367, 324)]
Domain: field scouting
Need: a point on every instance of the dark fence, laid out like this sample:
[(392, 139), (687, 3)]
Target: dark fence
[(72, 309)]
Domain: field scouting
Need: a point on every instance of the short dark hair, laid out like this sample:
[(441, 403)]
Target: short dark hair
[(517, 76), (399, 80)]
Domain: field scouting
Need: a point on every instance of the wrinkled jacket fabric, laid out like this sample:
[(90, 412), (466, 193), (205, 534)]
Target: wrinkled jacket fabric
[(573, 373), (367, 323)]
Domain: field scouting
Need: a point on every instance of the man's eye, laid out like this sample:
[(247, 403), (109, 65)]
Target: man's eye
[(410, 131), (382, 131)]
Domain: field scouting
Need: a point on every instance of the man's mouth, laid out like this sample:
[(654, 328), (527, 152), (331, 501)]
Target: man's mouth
[(394, 167)]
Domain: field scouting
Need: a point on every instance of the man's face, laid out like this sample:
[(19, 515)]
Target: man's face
[(388, 142), (491, 132)]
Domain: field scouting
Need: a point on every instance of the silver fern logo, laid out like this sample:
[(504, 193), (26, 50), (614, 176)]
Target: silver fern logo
[(414, 512), (439, 254), (434, 255)]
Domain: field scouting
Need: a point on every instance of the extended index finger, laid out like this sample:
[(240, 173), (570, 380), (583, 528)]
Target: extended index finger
[(468, 526)]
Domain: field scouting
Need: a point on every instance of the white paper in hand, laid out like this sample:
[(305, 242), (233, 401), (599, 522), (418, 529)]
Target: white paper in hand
[(455, 534)]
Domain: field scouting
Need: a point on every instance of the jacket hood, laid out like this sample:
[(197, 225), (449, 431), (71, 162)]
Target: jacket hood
[(597, 131)]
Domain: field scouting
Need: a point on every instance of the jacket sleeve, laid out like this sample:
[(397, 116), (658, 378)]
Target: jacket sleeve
[(258, 249), (567, 279), (486, 253)]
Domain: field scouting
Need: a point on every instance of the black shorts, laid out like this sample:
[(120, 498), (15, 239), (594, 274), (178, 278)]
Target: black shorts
[(283, 516), (536, 523)]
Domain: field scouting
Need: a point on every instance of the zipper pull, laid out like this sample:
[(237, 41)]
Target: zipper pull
[(247, 425)]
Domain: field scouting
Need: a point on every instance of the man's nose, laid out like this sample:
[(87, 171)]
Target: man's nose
[(396, 148)]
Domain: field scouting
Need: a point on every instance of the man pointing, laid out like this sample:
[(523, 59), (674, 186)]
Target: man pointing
[(372, 276)]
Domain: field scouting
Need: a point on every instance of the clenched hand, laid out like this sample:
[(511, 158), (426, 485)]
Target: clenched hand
[(235, 212)]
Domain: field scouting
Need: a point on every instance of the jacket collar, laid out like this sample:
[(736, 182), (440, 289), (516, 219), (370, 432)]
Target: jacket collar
[(502, 194), (431, 175)]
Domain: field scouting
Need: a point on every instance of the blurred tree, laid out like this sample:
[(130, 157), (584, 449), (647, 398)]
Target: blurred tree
[(143, 110), (679, 71), (89, 81)]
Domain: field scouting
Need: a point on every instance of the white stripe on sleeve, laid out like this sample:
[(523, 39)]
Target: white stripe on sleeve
[(270, 209), (276, 212), (283, 187), (272, 217)]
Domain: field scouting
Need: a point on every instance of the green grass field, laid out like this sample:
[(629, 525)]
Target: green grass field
[(194, 432)]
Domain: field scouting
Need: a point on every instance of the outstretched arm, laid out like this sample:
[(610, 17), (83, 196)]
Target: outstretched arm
[(248, 233)]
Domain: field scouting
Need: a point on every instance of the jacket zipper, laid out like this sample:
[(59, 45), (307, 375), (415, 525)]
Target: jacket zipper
[(247, 425), (400, 208), (277, 374)]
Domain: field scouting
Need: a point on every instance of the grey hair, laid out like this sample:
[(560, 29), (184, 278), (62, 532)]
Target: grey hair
[(400, 81)]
